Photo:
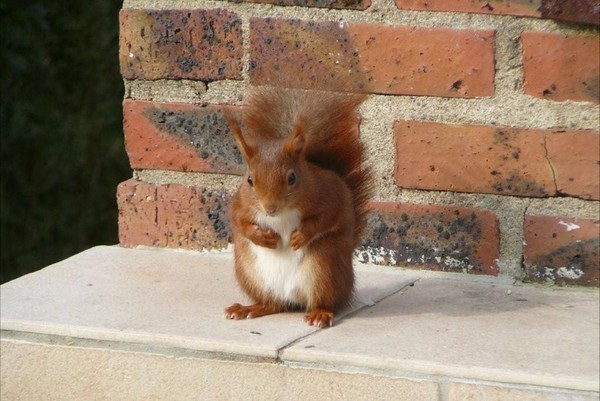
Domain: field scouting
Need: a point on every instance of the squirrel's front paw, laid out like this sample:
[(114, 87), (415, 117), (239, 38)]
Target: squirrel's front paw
[(265, 238), (298, 240)]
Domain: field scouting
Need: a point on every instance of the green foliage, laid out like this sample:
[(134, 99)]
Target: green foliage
[(61, 135)]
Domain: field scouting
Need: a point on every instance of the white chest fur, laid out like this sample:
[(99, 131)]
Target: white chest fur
[(283, 272)]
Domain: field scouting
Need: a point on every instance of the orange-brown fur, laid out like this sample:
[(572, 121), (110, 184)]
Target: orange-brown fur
[(309, 139)]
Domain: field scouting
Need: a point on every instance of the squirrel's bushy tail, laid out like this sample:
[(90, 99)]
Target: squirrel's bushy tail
[(330, 123)]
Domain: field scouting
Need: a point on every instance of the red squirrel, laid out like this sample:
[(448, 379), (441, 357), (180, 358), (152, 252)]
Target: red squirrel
[(300, 209)]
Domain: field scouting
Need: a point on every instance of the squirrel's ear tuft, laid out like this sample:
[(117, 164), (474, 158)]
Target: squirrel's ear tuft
[(247, 151), (294, 147)]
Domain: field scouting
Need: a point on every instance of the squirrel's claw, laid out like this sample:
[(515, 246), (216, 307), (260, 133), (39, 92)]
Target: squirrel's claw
[(319, 317), (298, 240), (237, 311)]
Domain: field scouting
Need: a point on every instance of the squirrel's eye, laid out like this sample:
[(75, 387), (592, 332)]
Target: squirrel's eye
[(291, 178), (250, 181)]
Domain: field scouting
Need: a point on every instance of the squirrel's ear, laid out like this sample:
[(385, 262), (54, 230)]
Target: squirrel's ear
[(247, 151), (294, 147)]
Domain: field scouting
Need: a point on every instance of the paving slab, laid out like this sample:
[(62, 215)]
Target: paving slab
[(470, 331), (160, 297), (103, 374)]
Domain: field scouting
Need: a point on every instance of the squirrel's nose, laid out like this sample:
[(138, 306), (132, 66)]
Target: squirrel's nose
[(270, 208)]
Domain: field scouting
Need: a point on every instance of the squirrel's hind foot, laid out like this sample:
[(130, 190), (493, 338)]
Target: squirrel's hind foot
[(319, 317), (237, 311)]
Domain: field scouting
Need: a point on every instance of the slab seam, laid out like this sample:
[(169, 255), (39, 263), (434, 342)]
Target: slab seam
[(349, 314)]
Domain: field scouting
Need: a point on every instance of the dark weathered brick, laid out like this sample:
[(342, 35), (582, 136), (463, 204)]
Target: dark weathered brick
[(561, 250), (579, 11), (172, 216), (446, 238), (182, 137), (524, 8), (372, 58), (180, 44), (339, 4)]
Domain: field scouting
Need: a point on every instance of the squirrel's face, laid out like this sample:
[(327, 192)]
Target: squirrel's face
[(276, 168), (274, 179)]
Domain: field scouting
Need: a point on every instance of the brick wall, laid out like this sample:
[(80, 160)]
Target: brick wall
[(481, 123)]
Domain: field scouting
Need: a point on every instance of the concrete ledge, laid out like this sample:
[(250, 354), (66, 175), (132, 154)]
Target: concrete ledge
[(129, 324)]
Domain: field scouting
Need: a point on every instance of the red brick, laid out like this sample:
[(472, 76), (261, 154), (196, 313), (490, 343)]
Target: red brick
[(561, 250), (575, 157), (446, 238), (339, 4), (372, 58), (180, 44), (496, 160), (580, 11), (138, 215), (472, 158), (172, 216), (525, 8), (182, 137), (559, 67)]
